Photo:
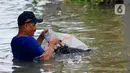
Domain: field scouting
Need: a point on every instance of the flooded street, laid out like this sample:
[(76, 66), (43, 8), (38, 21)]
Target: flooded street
[(98, 27)]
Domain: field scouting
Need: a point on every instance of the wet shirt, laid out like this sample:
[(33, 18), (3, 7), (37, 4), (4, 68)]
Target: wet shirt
[(26, 48)]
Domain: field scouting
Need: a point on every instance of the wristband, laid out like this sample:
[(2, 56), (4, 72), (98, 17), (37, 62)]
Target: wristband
[(42, 36)]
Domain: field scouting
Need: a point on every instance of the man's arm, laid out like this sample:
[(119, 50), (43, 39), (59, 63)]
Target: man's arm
[(49, 51), (41, 36)]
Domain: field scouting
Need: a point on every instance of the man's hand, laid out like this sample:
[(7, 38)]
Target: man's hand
[(56, 41), (49, 51), (43, 33), (41, 36)]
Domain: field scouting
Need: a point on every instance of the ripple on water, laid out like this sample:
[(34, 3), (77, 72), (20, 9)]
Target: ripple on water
[(9, 11)]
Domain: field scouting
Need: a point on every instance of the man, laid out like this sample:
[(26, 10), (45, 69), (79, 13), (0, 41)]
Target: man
[(24, 46)]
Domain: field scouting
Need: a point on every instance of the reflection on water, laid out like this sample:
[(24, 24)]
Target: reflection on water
[(98, 27)]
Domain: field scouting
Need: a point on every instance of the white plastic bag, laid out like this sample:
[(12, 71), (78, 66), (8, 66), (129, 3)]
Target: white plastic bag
[(50, 35), (66, 39)]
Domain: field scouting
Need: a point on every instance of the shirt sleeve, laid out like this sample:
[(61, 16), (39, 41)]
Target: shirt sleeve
[(35, 48)]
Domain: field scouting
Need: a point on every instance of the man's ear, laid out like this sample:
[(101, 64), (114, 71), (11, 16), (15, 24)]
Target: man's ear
[(26, 26)]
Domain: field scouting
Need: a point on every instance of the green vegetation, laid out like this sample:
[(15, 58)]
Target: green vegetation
[(97, 2), (94, 2)]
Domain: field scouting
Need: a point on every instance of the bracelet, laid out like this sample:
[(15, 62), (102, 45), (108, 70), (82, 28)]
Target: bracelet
[(42, 36)]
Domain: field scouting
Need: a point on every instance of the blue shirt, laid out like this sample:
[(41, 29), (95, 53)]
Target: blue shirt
[(26, 48)]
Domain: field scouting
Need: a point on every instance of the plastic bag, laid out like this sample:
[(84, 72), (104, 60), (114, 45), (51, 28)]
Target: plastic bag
[(66, 39), (50, 35)]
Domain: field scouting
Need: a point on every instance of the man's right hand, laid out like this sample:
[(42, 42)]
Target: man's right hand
[(49, 51), (55, 41)]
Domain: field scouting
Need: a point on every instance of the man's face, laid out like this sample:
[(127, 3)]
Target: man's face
[(30, 28)]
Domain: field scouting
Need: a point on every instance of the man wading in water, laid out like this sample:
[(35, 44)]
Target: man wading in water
[(24, 46)]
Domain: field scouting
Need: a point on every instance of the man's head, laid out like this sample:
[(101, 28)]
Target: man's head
[(27, 21)]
